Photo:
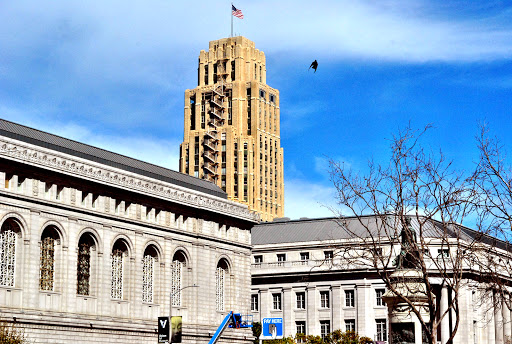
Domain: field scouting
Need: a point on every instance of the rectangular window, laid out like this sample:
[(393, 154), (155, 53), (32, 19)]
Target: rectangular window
[(381, 330), (281, 258), (328, 255), (350, 325), (276, 302), (443, 253), (325, 328), (324, 299), (258, 259), (378, 297), (300, 327), (349, 298), (301, 300), (304, 257), (254, 302)]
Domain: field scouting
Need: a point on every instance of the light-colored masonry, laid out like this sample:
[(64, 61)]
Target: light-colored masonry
[(133, 243), (232, 127)]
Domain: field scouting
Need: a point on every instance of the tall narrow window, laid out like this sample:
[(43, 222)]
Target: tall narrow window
[(47, 267), (148, 274), (117, 273), (324, 299), (8, 236), (178, 262), (349, 298), (84, 266), (378, 297), (220, 280), (301, 300), (254, 302), (276, 301)]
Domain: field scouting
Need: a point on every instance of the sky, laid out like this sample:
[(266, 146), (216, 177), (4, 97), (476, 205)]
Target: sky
[(113, 74)]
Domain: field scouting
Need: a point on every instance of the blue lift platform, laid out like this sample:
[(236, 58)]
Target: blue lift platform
[(233, 320)]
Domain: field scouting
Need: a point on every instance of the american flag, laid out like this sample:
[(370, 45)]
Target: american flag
[(237, 13)]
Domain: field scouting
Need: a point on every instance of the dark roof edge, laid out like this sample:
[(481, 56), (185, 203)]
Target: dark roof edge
[(127, 167)]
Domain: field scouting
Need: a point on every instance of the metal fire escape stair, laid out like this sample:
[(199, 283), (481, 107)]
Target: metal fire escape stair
[(211, 136)]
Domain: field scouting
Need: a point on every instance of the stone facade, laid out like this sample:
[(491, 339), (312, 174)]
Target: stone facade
[(232, 127), (95, 248), (297, 275)]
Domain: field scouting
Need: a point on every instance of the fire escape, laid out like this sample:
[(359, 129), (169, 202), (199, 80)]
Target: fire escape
[(211, 135)]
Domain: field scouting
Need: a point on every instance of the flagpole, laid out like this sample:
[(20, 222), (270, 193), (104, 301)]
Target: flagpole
[(230, 12)]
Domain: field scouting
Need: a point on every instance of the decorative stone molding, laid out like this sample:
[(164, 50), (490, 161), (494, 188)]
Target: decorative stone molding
[(42, 157)]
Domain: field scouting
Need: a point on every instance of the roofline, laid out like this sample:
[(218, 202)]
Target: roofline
[(68, 150)]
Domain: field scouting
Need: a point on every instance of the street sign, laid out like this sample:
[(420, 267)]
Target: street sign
[(272, 328), (163, 329)]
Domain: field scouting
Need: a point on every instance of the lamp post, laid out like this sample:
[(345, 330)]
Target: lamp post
[(176, 292)]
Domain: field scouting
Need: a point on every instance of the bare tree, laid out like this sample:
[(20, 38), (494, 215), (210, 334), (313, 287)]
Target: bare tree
[(493, 183), (405, 220)]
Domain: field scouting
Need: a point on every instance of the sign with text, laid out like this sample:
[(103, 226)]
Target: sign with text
[(272, 328), (163, 329)]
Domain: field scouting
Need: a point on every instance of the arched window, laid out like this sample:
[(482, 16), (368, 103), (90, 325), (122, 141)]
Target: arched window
[(49, 239), (117, 262), (8, 238), (220, 281), (148, 273), (86, 245), (179, 261)]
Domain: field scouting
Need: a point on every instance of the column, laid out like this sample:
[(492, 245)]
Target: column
[(506, 320), (288, 318), (445, 323), (498, 322), (489, 322), (336, 309), (313, 326)]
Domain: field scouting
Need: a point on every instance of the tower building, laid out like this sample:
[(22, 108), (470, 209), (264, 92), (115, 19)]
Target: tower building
[(231, 134)]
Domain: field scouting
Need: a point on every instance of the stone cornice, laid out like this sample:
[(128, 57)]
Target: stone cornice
[(82, 168)]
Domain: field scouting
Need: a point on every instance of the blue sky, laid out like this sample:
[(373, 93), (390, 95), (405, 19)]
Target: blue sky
[(113, 74)]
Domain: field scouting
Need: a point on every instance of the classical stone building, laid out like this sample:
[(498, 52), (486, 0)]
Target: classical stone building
[(232, 132), (298, 274), (93, 244)]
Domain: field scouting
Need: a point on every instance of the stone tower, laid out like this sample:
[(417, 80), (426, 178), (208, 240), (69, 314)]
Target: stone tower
[(231, 134)]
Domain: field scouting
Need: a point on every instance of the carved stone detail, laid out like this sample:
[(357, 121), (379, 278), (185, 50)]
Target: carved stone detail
[(73, 165)]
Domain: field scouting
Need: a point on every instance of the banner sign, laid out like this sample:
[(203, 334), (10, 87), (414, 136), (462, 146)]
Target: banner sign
[(176, 323), (163, 329)]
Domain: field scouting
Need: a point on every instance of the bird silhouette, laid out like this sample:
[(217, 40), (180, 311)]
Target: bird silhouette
[(314, 64)]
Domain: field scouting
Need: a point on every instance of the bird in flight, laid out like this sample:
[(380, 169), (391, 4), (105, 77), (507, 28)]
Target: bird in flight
[(314, 64)]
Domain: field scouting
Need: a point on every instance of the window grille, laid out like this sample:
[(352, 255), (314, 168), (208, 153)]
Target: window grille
[(219, 288), (46, 273), (7, 257), (116, 290), (83, 269), (148, 267), (176, 280)]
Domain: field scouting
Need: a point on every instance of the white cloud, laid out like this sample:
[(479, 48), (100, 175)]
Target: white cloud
[(160, 152), (307, 199)]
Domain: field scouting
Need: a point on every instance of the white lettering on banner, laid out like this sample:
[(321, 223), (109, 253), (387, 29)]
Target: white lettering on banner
[(163, 323)]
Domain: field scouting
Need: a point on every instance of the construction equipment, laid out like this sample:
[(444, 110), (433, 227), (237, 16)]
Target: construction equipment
[(233, 320)]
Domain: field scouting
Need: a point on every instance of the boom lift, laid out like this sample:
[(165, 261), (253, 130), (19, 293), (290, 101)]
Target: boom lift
[(233, 320)]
